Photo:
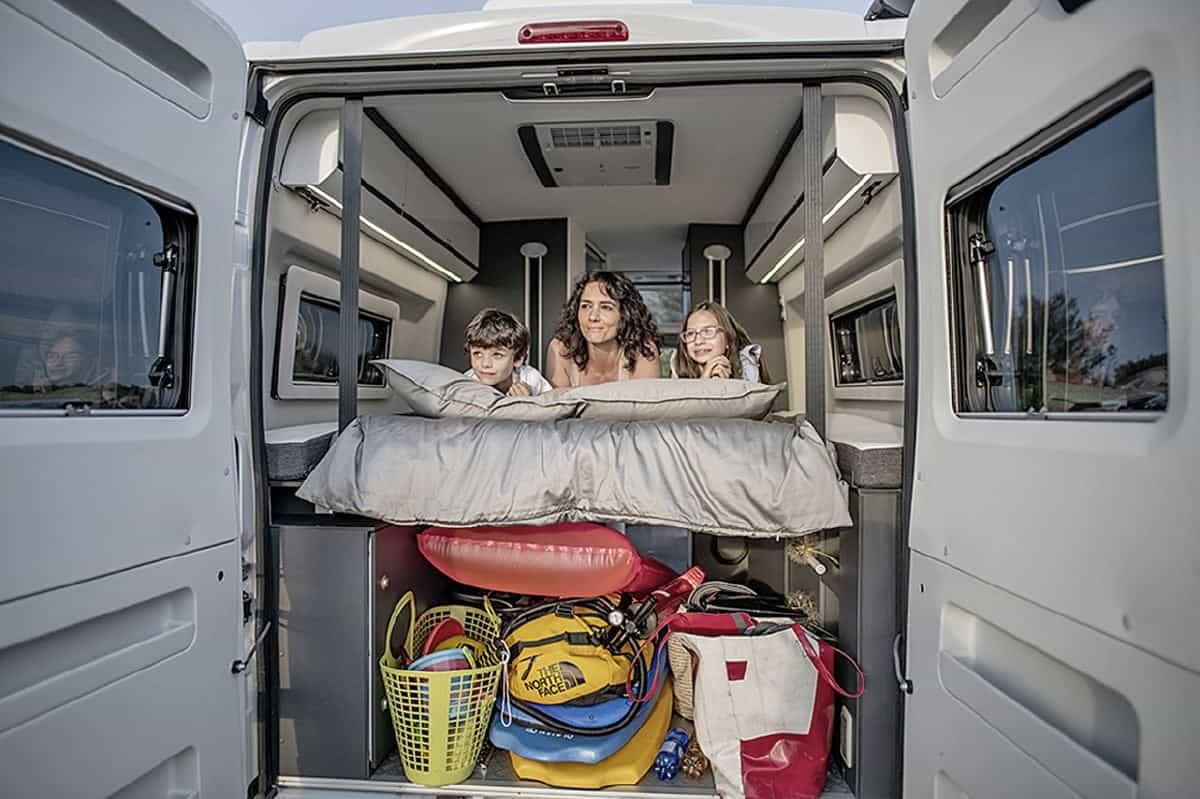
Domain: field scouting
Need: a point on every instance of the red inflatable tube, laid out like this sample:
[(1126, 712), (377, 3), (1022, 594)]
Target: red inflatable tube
[(560, 560)]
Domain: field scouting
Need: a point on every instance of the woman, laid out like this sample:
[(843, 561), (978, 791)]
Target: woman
[(714, 344), (605, 334)]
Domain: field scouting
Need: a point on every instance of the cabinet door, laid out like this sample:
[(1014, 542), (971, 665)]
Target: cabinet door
[(120, 571), (1053, 586)]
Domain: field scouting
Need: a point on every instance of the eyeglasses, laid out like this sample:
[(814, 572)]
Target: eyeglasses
[(704, 333), (64, 357)]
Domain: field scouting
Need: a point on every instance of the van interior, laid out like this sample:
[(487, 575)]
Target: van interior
[(505, 198)]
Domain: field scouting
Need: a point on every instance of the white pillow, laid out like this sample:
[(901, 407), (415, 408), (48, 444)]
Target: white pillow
[(662, 399), (433, 390)]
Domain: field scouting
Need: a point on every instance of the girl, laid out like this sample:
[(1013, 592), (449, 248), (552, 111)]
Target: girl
[(713, 344)]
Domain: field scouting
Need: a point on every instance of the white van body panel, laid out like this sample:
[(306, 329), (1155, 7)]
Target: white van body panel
[(1054, 560), (495, 30), (120, 579)]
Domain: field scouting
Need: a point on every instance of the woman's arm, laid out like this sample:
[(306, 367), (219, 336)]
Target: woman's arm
[(556, 365)]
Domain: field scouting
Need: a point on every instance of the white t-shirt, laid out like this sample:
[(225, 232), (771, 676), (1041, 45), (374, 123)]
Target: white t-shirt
[(523, 374)]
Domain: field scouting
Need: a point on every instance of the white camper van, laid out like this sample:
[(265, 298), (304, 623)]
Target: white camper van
[(963, 236)]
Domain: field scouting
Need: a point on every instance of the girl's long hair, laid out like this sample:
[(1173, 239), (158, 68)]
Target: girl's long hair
[(736, 338), (635, 332)]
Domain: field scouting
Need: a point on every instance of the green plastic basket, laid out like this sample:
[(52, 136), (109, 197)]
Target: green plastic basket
[(440, 718)]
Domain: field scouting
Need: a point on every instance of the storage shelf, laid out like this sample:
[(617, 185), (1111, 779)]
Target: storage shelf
[(499, 780)]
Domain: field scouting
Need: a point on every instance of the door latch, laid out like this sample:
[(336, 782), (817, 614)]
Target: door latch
[(905, 684), (987, 372), (241, 664)]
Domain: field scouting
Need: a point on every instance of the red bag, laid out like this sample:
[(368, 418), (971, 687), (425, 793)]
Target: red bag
[(763, 702)]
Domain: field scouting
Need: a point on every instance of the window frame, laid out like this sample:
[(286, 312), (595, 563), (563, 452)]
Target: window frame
[(871, 287), (298, 281), (1134, 87), (180, 227)]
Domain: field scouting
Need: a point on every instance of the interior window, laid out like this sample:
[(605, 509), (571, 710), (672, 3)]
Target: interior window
[(317, 336), (866, 343), (1058, 278), (668, 297), (83, 263)]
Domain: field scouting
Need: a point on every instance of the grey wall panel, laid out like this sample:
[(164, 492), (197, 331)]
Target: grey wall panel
[(501, 282), (868, 624), (323, 681), (338, 586)]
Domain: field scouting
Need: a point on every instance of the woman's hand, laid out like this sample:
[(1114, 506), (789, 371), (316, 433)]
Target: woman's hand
[(519, 389), (717, 367)]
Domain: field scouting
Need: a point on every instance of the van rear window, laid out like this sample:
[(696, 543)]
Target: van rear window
[(81, 276), (1057, 278)]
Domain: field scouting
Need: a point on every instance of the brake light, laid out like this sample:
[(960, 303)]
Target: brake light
[(607, 30)]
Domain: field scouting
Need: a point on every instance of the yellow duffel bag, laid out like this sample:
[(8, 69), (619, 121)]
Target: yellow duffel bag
[(558, 654), (626, 767)]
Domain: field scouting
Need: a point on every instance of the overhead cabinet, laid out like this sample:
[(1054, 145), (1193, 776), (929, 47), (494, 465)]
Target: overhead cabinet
[(402, 206), (859, 159)]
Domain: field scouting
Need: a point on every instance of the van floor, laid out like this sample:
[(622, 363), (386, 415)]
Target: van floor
[(499, 780)]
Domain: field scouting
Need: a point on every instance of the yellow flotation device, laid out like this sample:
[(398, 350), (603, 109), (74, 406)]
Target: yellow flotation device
[(626, 767)]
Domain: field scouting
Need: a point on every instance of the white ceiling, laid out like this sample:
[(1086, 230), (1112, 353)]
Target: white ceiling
[(726, 138)]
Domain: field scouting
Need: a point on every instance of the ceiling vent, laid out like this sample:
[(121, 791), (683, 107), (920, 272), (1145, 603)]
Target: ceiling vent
[(625, 153)]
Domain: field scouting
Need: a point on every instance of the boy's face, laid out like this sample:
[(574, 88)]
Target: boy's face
[(494, 365)]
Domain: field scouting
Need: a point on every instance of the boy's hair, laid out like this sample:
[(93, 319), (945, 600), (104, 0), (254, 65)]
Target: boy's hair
[(492, 327)]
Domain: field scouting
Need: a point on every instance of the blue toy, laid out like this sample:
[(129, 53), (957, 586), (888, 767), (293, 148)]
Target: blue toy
[(666, 764)]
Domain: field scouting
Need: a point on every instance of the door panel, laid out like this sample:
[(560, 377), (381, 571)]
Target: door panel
[(1081, 513), (1008, 694), (120, 564), (106, 681)]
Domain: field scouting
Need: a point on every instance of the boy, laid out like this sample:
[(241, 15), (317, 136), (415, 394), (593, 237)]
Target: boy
[(497, 344)]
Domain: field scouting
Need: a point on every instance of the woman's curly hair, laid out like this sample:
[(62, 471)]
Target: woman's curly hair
[(636, 331)]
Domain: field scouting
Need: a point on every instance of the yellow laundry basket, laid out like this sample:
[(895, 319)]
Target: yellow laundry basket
[(441, 717)]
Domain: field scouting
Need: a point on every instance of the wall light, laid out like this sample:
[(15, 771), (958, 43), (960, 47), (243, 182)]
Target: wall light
[(388, 238), (854, 190)]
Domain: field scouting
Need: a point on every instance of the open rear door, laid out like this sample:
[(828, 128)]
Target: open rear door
[(1052, 644), (120, 611)]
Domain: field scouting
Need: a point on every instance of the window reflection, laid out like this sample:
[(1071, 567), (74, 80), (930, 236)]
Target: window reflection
[(317, 336), (79, 289), (1073, 283)]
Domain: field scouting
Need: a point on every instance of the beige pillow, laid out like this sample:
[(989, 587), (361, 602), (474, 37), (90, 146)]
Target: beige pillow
[(437, 392), (661, 399)]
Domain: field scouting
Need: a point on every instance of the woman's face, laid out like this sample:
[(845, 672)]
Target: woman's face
[(599, 314), (63, 359), (700, 348)]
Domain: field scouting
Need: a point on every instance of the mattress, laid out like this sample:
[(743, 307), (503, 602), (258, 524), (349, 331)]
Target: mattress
[(719, 476)]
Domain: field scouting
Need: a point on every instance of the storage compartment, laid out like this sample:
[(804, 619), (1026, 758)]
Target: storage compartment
[(660, 223)]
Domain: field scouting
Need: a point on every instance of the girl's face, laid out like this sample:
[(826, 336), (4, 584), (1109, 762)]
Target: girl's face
[(63, 359), (599, 314), (704, 338)]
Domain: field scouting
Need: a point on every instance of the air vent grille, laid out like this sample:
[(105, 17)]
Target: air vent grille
[(596, 136)]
